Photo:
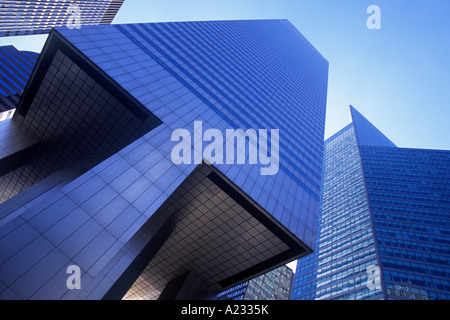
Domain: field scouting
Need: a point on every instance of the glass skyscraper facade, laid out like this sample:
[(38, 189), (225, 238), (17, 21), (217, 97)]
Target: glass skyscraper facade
[(273, 285), (38, 17), (384, 221), (100, 190), (15, 69), (409, 192)]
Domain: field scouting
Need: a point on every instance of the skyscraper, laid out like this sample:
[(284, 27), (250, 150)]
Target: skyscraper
[(15, 69), (273, 285), (38, 17), (383, 230), (100, 191)]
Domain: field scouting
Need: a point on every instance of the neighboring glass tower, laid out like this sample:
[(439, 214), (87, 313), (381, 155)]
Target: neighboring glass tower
[(409, 192), (15, 69), (97, 186), (383, 230), (273, 285), (38, 17)]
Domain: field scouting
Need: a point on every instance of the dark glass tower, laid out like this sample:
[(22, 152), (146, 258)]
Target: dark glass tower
[(383, 230), (38, 17), (99, 188), (15, 69)]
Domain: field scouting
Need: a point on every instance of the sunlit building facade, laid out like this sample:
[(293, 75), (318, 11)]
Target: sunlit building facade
[(383, 230), (97, 186), (19, 17)]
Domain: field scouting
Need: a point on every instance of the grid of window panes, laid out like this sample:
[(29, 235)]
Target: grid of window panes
[(409, 191), (234, 293), (38, 17), (304, 284), (79, 106), (15, 68), (273, 285), (259, 74), (264, 60), (345, 244)]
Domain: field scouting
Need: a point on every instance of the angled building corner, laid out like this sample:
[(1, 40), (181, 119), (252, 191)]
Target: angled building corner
[(98, 189), (383, 221)]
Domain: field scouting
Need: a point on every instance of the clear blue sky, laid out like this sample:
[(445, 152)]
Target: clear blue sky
[(398, 77)]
